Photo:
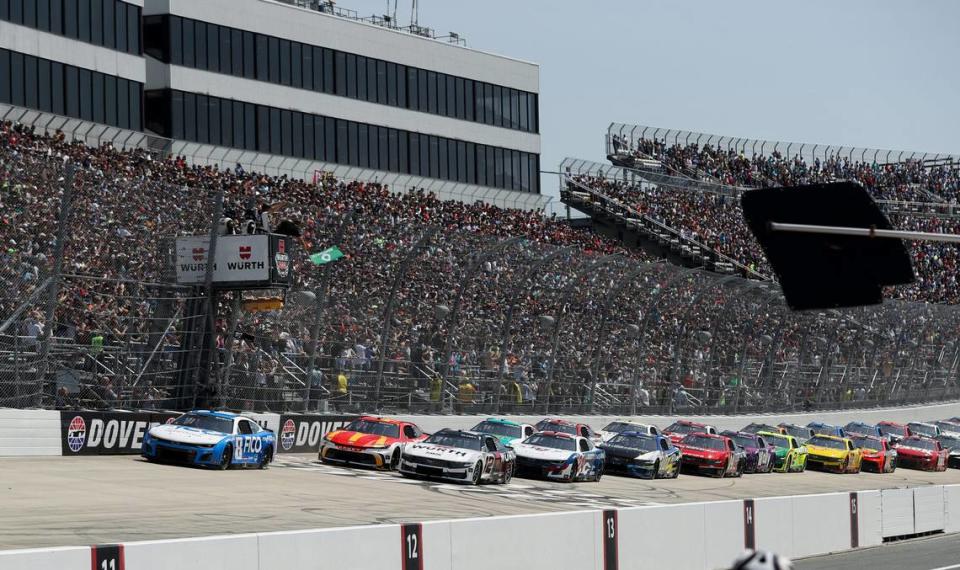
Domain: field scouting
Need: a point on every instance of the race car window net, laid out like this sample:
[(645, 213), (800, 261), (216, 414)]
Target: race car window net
[(634, 442), (827, 442), (459, 441), (564, 443), (374, 428), (778, 441), (497, 428), (704, 442), (617, 427), (245, 427), (744, 441), (919, 443), (800, 432), (208, 423), (867, 442), (887, 430), (923, 430), (557, 427), (683, 428)]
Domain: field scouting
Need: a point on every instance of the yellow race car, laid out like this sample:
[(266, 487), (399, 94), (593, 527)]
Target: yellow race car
[(833, 453)]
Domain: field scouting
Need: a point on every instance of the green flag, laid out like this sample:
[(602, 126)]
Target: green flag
[(326, 256)]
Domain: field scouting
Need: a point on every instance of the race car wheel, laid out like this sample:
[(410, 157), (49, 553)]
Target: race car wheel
[(477, 473), (676, 471), (740, 469), (508, 474), (227, 458), (265, 459), (599, 473), (656, 469), (395, 459)]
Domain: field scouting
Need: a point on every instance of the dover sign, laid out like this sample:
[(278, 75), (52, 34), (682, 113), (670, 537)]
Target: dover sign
[(107, 433), (302, 433)]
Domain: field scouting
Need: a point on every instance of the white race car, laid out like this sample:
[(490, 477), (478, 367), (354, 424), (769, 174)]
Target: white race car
[(463, 456), (559, 456), (619, 426)]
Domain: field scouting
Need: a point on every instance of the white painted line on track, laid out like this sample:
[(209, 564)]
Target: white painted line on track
[(947, 567)]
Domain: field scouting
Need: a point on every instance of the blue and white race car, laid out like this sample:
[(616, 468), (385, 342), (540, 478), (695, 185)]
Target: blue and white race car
[(559, 456), (214, 439)]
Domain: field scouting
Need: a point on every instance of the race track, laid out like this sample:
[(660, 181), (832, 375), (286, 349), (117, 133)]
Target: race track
[(54, 501), (932, 553)]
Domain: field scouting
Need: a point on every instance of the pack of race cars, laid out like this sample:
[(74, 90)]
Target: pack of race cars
[(496, 449)]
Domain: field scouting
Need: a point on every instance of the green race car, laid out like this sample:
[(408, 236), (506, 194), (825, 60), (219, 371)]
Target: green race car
[(507, 431), (790, 456)]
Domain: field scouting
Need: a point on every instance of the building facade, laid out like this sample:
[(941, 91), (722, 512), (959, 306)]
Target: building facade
[(262, 83)]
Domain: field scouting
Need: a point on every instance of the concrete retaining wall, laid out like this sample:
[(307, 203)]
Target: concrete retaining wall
[(690, 536), (38, 432)]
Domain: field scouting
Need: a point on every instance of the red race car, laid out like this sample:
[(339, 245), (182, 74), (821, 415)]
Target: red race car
[(680, 428), (712, 453), (878, 454), (563, 426), (922, 453), (369, 441)]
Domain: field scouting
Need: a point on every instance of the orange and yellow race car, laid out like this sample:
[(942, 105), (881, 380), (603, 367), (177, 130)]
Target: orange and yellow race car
[(369, 441)]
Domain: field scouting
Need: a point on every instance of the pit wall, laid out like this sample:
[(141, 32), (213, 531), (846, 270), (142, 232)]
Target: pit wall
[(47, 432), (687, 536)]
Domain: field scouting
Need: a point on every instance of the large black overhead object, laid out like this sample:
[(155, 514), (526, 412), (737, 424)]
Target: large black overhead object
[(821, 271)]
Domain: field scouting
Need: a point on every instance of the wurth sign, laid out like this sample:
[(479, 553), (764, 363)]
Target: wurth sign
[(239, 259)]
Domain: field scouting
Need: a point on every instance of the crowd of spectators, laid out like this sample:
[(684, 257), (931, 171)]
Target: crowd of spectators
[(591, 322), (716, 219)]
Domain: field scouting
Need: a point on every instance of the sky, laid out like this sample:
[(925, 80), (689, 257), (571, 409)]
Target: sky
[(865, 73)]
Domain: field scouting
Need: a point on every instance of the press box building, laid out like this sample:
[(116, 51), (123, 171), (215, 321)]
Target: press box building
[(284, 87)]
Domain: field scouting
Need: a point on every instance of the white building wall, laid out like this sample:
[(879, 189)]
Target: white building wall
[(312, 27), (71, 52)]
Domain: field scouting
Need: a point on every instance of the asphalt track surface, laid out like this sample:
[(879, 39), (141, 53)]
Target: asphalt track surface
[(933, 553), (57, 501)]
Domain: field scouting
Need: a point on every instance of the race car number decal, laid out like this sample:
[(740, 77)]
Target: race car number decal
[(247, 446)]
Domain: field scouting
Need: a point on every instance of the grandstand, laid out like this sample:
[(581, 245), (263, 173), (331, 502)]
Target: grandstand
[(684, 186), (488, 309)]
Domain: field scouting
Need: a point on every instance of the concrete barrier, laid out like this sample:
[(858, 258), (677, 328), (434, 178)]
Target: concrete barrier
[(432, 423), (29, 432), (692, 536), (951, 498), (70, 558), (896, 512), (234, 552), (32, 431), (352, 547), (928, 509), (870, 518)]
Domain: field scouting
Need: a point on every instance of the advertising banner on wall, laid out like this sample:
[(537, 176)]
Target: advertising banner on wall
[(240, 261), (107, 433), (302, 433)]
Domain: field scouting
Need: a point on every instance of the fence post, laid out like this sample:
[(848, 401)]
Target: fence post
[(210, 370), (388, 310), (235, 309), (321, 297), (54, 292)]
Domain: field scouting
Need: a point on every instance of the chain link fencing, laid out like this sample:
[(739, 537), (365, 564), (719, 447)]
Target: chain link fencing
[(435, 309)]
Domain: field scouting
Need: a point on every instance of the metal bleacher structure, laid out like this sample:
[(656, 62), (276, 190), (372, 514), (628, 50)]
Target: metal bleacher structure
[(460, 322)]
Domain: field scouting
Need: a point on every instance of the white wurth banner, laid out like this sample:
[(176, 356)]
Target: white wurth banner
[(239, 259)]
